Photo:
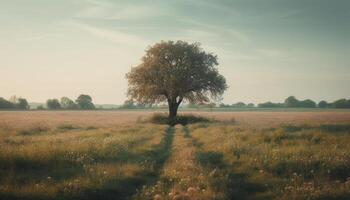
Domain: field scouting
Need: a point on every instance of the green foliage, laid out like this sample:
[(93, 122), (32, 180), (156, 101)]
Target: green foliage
[(323, 104), (53, 104), (40, 107), (67, 103), (181, 119), (35, 129), (4, 104), (85, 102), (66, 127), (270, 105), (292, 102), (15, 103), (335, 127), (175, 71), (22, 104), (210, 159), (341, 103)]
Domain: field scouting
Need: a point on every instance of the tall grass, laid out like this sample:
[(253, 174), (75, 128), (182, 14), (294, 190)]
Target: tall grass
[(216, 160), (288, 162), (79, 164)]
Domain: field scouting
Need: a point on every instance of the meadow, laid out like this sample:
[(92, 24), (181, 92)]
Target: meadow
[(122, 155)]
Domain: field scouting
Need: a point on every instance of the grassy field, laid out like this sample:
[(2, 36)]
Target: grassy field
[(119, 155)]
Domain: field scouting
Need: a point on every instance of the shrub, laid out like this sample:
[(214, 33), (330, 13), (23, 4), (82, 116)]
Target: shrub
[(335, 127), (34, 130), (181, 119), (66, 127)]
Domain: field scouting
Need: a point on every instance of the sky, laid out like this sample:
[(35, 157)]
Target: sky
[(267, 49)]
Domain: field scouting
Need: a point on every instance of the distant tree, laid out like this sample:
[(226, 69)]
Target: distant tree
[(323, 104), (85, 102), (222, 105), (291, 102), (173, 72), (40, 107), (239, 105), (128, 104), (67, 103), (13, 99), (53, 104), (4, 104), (270, 105), (341, 103), (250, 105), (22, 104), (308, 103)]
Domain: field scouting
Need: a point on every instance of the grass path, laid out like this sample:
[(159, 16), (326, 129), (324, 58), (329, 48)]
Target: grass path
[(181, 176)]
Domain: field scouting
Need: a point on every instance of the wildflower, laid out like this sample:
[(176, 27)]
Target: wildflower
[(157, 197), (191, 191)]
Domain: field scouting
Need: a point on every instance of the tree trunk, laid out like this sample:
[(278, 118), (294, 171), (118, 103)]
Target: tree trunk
[(173, 106)]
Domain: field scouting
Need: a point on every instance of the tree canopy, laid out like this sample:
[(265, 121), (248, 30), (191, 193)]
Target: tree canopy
[(176, 71), (85, 102), (67, 103), (53, 104)]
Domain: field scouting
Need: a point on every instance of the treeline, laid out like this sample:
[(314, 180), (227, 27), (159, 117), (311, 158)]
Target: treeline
[(83, 102), (14, 103), (292, 102)]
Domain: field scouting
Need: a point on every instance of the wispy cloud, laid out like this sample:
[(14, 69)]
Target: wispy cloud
[(109, 11), (230, 32), (112, 35)]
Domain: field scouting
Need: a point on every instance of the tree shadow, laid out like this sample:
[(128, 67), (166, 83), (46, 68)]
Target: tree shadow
[(120, 187), (123, 188), (223, 178)]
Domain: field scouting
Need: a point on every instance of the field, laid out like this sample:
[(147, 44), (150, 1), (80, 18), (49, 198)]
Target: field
[(120, 155)]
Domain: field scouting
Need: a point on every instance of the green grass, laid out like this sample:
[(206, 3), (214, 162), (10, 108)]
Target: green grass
[(289, 162), (201, 160)]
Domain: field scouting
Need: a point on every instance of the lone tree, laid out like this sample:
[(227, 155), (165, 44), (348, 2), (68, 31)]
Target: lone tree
[(173, 72), (85, 102)]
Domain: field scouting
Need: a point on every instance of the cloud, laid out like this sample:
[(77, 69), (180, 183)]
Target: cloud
[(122, 11), (230, 32), (112, 35)]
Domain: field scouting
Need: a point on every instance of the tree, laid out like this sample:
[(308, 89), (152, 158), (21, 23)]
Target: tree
[(173, 72), (270, 105), (40, 107), (323, 104), (239, 105), (291, 102), (250, 105), (308, 103), (53, 104), (67, 103), (22, 104), (4, 104), (85, 102), (341, 103), (13, 99)]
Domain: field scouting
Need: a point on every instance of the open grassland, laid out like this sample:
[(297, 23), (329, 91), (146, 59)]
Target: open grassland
[(119, 155)]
